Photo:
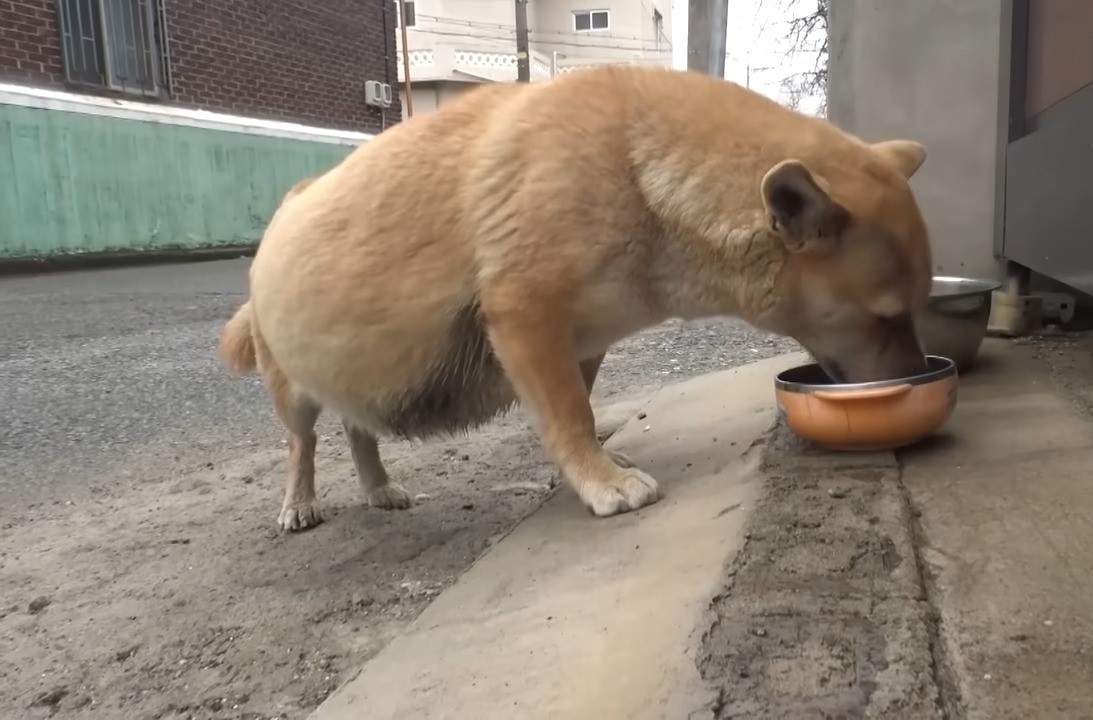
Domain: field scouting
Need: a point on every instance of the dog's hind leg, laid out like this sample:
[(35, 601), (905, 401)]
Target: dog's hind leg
[(298, 413), (377, 488)]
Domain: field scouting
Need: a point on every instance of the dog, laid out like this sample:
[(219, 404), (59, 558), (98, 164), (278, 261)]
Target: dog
[(491, 252)]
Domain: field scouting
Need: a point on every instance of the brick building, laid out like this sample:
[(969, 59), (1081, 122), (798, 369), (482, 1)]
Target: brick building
[(167, 126), (303, 61)]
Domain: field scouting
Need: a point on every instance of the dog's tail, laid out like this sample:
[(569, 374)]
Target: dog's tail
[(237, 350)]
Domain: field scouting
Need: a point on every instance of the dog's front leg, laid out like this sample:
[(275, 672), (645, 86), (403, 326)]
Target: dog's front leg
[(590, 368), (537, 352)]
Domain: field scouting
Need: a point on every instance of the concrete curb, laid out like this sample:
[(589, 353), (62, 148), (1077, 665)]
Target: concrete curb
[(823, 610), (571, 616)]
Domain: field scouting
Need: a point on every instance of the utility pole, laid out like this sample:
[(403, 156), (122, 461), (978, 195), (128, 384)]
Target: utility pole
[(719, 28), (523, 56), (707, 26), (406, 59), (698, 35)]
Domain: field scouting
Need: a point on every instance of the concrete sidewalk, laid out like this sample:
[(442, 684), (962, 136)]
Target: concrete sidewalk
[(575, 617), (1005, 499)]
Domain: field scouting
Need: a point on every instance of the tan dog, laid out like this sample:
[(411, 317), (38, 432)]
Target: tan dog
[(494, 250)]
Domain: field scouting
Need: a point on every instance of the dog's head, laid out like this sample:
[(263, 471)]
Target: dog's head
[(857, 262)]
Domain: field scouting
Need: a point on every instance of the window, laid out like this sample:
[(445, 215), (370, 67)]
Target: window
[(411, 14), (658, 27), (115, 44), (587, 20)]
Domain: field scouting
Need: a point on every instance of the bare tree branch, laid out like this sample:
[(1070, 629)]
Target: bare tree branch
[(807, 32)]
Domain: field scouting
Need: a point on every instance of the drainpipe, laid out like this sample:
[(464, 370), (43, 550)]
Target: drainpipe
[(386, 61)]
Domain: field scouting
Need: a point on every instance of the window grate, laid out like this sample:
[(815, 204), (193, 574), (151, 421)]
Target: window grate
[(115, 44)]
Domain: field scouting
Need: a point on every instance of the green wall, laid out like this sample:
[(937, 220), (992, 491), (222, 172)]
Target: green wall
[(77, 183)]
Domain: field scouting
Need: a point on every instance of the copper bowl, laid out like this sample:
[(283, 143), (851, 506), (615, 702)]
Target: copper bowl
[(870, 416)]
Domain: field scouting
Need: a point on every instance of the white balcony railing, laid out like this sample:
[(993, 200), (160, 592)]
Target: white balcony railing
[(488, 62)]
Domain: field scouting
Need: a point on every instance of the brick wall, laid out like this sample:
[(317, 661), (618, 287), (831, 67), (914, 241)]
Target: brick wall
[(30, 43), (290, 59), (296, 60)]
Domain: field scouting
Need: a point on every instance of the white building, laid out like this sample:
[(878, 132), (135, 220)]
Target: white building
[(455, 44)]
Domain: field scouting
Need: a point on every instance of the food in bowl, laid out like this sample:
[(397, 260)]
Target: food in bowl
[(871, 416)]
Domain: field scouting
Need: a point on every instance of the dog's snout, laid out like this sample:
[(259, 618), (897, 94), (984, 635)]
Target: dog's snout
[(834, 371), (918, 366)]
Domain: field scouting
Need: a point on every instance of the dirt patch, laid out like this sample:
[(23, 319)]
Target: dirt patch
[(1069, 359), (181, 600), (823, 614)]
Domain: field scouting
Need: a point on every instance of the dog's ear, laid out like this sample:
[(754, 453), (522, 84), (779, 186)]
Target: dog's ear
[(801, 211), (906, 155)]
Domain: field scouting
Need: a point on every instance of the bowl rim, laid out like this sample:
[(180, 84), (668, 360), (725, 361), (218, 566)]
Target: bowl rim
[(985, 287), (946, 369)]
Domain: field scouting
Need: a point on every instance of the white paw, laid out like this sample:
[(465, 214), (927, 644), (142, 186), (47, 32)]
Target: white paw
[(629, 490), (621, 459), (299, 516), (388, 497)]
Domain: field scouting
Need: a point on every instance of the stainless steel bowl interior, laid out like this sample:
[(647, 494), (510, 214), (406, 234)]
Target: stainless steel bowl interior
[(806, 378), (952, 288), (955, 320)]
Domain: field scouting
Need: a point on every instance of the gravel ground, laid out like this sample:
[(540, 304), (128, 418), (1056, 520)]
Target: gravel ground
[(140, 571)]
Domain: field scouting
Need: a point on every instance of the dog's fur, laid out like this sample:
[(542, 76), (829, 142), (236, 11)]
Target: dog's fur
[(493, 250)]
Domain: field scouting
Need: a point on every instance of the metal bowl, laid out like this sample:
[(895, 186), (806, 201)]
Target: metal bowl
[(954, 322)]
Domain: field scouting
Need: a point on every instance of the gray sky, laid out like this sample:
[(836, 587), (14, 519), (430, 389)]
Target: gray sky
[(757, 35)]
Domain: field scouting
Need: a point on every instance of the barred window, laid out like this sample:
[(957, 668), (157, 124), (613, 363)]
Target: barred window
[(119, 45)]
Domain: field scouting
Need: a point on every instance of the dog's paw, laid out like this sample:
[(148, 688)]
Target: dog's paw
[(389, 497), (628, 491), (621, 459), (299, 516)]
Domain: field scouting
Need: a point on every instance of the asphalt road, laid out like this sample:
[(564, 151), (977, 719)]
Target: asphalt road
[(108, 377)]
